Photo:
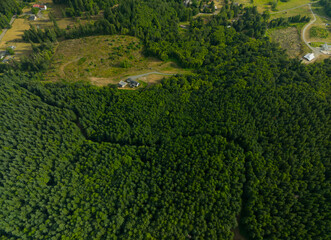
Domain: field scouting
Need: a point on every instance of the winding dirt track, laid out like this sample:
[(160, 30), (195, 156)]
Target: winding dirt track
[(304, 32)]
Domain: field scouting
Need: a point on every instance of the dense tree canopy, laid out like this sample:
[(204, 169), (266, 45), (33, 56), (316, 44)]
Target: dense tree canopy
[(244, 140)]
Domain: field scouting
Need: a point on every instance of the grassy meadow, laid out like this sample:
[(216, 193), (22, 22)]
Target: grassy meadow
[(104, 60)]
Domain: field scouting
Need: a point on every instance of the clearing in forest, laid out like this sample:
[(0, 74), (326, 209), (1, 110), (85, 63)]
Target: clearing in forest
[(289, 39), (104, 60)]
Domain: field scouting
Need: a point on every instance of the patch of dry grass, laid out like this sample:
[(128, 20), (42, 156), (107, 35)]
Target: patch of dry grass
[(13, 37), (289, 39)]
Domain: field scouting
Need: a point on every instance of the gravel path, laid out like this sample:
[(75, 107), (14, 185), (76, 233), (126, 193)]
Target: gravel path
[(146, 74), (315, 50)]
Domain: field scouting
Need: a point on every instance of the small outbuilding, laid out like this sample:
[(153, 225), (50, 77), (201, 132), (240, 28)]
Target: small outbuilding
[(309, 56), (40, 6), (122, 84), (2, 54), (33, 17)]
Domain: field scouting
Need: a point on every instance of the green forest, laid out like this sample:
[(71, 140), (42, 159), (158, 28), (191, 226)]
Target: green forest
[(242, 143)]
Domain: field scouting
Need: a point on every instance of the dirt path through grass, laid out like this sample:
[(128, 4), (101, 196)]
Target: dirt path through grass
[(66, 64)]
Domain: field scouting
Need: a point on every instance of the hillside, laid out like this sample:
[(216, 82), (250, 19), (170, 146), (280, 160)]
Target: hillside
[(236, 145)]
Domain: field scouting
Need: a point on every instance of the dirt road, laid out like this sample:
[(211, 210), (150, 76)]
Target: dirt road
[(146, 74), (305, 28)]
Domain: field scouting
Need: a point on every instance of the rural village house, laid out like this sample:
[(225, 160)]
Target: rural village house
[(41, 7)]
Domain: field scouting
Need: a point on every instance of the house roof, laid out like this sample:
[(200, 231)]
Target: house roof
[(309, 56), (38, 6), (122, 83)]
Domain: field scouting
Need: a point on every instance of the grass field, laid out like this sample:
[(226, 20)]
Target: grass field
[(263, 5), (289, 39), (104, 60), (303, 11)]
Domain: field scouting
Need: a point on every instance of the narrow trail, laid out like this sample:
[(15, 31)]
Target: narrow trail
[(289, 9), (303, 33), (66, 64), (146, 74)]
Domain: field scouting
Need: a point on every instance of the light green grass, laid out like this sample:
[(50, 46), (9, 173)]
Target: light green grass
[(316, 44), (303, 11), (263, 5)]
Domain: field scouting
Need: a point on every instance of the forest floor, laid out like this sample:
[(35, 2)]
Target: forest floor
[(114, 59)]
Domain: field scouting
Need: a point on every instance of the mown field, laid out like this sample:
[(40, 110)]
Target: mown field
[(104, 60)]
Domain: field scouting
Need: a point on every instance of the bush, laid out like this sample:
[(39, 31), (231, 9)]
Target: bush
[(34, 10), (10, 51)]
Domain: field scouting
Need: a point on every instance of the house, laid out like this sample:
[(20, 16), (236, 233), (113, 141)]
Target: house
[(122, 84), (132, 83), (12, 47), (33, 17), (2, 54), (187, 2), (41, 7), (309, 56)]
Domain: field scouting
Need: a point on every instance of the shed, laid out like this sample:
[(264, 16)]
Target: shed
[(122, 84), (309, 56), (33, 18), (2, 54)]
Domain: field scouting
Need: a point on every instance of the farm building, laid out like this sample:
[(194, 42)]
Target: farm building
[(309, 56), (41, 7), (122, 84)]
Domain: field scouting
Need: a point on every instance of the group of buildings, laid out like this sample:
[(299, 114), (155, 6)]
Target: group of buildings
[(132, 83), (41, 7), (3, 55), (324, 49)]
